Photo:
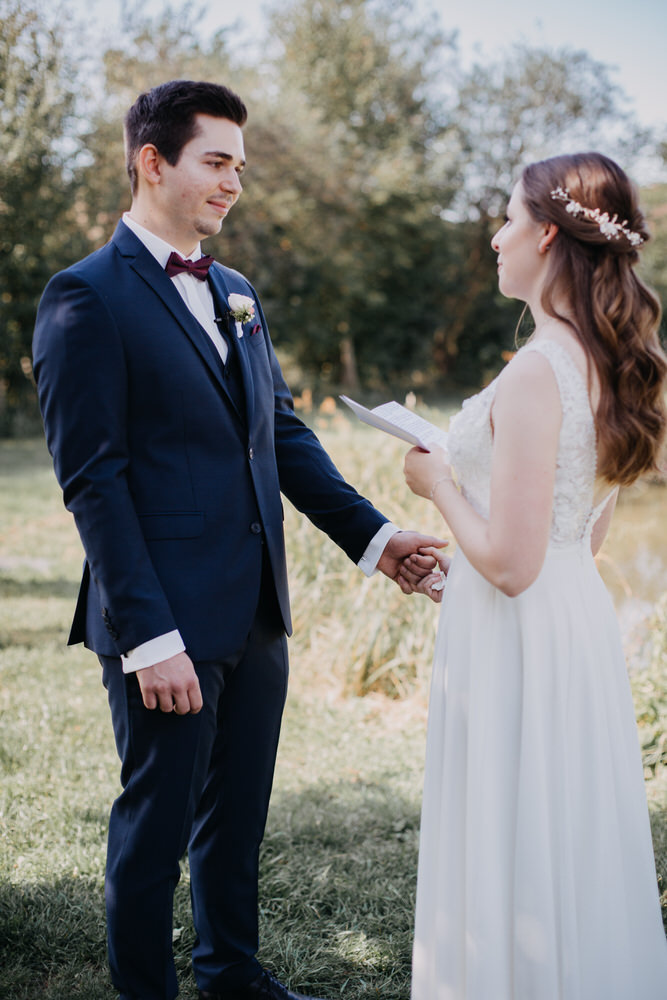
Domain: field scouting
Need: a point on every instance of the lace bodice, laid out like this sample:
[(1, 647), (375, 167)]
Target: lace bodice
[(470, 443)]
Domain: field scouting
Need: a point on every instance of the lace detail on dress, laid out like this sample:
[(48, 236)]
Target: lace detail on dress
[(470, 446)]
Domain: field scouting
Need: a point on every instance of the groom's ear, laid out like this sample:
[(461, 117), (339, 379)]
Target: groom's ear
[(550, 231), (149, 164)]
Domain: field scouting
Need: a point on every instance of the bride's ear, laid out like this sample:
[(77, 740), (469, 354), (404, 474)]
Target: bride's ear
[(548, 237)]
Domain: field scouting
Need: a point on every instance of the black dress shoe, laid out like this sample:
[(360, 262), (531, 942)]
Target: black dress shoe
[(265, 987)]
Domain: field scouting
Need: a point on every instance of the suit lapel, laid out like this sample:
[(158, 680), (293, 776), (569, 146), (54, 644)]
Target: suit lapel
[(239, 345), (144, 264)]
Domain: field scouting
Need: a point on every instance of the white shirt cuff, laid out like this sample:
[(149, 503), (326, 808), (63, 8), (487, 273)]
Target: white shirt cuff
[(153, 651), (369, 561)]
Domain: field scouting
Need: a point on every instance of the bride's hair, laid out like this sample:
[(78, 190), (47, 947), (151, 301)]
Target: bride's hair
[(615, 316)]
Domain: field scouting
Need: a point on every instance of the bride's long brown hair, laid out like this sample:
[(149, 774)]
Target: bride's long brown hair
[(614, 315)]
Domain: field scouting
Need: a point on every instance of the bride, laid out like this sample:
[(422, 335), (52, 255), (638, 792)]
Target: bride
[(536, 871)]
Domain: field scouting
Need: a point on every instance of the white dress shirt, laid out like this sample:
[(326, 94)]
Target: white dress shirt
[(198, 298)]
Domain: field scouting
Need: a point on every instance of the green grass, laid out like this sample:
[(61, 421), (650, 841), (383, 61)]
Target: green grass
[(340, 855)]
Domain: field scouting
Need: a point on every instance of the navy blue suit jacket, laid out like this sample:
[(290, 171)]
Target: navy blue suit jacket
[(174, 491)]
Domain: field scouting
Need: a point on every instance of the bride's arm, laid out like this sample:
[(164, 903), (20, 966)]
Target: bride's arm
[(509, 548)]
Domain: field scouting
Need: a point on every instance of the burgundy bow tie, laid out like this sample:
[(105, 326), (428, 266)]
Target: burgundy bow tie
[(198, 268)]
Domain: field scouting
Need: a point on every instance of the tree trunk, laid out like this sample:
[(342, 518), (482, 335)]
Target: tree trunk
[(348, 364)]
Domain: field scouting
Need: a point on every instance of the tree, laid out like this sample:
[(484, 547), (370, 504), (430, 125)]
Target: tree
[(370, 215), (376, 174), (653, 257), (346, 188), (529, 104), (148, 51), (37, 99)]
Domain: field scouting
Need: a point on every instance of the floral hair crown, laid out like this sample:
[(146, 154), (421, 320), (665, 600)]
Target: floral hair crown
[(610, 228)]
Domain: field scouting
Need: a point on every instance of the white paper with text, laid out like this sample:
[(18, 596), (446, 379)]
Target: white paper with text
[(392, 418)]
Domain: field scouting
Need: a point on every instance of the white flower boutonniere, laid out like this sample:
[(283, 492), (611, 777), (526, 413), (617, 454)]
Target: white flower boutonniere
[(242, 308)]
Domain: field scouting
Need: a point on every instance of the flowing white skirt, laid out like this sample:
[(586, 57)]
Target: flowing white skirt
[(536, 871)]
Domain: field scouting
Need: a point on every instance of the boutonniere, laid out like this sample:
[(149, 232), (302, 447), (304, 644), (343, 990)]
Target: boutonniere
[(242, 308)]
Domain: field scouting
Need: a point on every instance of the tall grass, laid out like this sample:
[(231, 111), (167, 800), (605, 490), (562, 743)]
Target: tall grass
[(362, 632), (339, 860)]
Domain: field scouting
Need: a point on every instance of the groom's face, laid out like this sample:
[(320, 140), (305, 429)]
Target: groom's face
[(199, 190)]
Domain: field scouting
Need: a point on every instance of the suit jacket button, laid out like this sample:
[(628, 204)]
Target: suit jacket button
[(251, 454), (256, 528)]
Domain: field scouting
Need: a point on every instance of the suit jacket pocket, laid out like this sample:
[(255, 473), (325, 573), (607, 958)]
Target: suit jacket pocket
[(255, 340), (176, 524)]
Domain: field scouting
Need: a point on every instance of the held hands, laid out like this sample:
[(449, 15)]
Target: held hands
[(425, 571), (171, 685), (409, 557)]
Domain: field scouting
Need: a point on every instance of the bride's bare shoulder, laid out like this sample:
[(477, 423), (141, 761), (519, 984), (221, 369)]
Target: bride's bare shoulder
[(527, 368), (527, 390)]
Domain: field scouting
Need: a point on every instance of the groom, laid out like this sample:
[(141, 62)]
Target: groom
[(173, 435)]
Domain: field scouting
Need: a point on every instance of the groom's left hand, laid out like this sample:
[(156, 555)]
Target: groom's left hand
[(399, 547)]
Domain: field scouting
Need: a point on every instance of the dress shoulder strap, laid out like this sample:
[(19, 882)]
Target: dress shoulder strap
[(571, 382)]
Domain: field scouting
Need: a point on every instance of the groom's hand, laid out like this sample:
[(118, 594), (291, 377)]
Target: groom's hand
[(171, 685), (426, 572), (398, 548)]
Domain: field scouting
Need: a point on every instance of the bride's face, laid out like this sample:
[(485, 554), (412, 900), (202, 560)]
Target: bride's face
[(521, 256)]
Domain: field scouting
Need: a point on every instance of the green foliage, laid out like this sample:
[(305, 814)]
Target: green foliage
[(650, 693), (528, 104), (150, 51), (650, 690), (532, 103), (375, 167), (350, 208), (36, 116), (653, 268)]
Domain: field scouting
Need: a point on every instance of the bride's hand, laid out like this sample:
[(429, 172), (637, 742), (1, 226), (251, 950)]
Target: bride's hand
[(423, 469), (415, 572)]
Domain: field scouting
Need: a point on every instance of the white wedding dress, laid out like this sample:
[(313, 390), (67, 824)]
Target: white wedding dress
[(536, 872)]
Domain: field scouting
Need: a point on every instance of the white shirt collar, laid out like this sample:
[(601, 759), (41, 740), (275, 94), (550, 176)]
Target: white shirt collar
[(160, 249)]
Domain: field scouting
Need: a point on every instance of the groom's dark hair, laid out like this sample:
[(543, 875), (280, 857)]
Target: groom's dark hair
[(165, 117)]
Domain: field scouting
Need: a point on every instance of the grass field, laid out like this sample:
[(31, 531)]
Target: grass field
[(339, 861)]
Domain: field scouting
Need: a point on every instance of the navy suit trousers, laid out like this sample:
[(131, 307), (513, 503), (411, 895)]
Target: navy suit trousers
[(199, 783)]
